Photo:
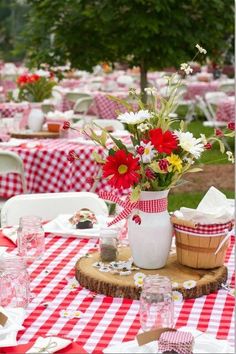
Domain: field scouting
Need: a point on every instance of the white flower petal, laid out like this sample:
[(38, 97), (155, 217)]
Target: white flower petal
[(189, 284)]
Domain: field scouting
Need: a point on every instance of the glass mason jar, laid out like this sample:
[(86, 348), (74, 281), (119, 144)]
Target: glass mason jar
[(30, 238), (156, 305), (14, 282), (108, 245)]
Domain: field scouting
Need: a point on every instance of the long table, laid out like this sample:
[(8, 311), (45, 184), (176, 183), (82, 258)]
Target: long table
[(103, 320), (47, 169)]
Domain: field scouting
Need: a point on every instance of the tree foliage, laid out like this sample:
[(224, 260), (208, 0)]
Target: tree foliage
[(149, 33), (11, 24)]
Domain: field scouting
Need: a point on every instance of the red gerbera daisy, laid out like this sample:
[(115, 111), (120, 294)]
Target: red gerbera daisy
[(163, 142), (121, 169)]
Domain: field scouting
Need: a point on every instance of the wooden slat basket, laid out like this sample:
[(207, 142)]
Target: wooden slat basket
[(201, 246)]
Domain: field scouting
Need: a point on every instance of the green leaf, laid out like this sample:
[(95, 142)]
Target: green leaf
[(118, 143), (135, 194), (97, 157)]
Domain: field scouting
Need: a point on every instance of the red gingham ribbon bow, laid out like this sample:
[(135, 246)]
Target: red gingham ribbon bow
[(148, 206)]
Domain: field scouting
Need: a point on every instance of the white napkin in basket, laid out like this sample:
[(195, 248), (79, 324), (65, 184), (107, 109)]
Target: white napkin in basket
[(214, 208)]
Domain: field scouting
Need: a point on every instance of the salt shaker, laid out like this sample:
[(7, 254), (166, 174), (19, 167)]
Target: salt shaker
[(30, 238), (108, 245), (14, 282), (156, 304)]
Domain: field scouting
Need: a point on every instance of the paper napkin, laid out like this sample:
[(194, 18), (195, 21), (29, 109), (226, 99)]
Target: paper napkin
[(8, 332), (49, 345), (214, 208), (11, 233)]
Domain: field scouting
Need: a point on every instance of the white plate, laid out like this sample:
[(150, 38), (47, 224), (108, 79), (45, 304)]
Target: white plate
[(204, 343), (61, 226)]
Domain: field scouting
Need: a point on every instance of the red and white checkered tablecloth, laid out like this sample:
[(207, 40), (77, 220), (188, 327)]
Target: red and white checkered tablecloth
[(105, 320), (225, 111), (47, 169), (102, 105), (200, 88), (8, 109)]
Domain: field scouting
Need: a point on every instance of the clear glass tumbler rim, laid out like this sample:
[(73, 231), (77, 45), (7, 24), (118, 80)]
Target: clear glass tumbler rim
[(30, 219)]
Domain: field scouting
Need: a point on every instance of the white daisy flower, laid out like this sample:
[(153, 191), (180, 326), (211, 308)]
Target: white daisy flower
[(72, 284), (139, 276), (175, 285), (186, 68), (230, 156), (144, 126), (200, 49), (189, 284), (177, 296), (148, 152), (77, 314), (134, 117), (190, 144)]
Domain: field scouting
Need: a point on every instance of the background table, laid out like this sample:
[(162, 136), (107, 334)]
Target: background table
[(225, 110), (47, 169), (106, 320)]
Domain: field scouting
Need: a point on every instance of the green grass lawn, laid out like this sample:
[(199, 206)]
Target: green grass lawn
[(190, 200)]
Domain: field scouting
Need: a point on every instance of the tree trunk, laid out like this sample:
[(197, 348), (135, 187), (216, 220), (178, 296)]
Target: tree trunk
[(143, 80)]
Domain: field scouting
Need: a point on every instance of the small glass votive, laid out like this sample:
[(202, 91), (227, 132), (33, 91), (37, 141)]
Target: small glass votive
[(30, 238), (156, 304), (14, 282), (108, 245)]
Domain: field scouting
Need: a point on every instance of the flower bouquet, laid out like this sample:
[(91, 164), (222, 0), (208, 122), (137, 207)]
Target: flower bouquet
[(35, 87), (158, 159)]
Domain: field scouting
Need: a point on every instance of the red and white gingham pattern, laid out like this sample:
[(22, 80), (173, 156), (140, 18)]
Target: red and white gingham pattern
[(180, 342), (106, 320), (9, 109), (47, 169), (206, 229), (147, 206), (200, 88), (106, 108), (225, 111)]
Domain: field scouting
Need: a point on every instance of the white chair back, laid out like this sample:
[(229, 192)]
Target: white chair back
[(50, 205), (75, 96), (82, 105), (10, 162)]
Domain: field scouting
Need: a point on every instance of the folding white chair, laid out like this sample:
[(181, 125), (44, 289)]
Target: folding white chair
[(209, 115), (212, 98), (75, 96), (10, 162), (227, 88), (50, 205)]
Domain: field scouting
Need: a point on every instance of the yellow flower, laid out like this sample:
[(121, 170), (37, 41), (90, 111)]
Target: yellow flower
[(175, 161)]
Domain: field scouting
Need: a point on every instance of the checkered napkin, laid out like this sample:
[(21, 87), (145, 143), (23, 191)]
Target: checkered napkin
[(179, 341)]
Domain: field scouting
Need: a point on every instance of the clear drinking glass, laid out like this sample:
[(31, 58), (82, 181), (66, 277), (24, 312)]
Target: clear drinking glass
[(156, 305), (30, 238), (14, 282), (108, 245)]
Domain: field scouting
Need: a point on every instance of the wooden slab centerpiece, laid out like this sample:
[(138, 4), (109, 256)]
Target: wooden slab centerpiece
[(116, 285), (35, 135)]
